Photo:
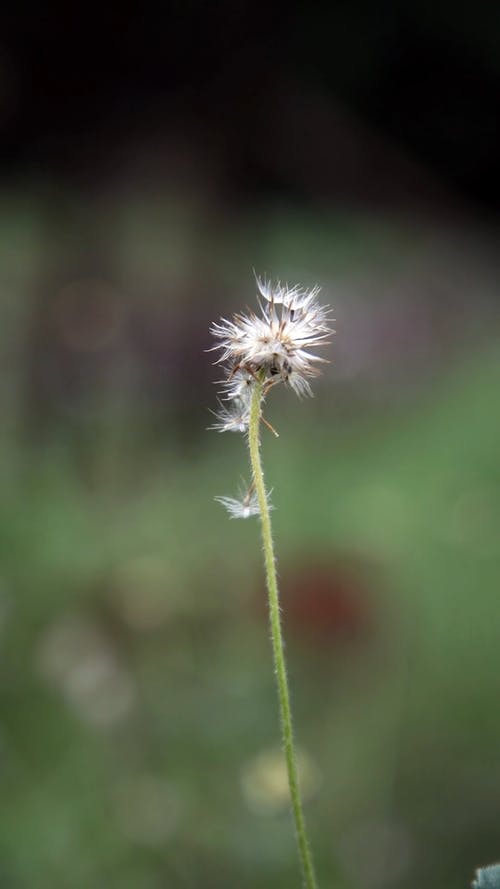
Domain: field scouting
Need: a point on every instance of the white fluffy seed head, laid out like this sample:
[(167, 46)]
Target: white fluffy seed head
[(263, 349), (276, 344)]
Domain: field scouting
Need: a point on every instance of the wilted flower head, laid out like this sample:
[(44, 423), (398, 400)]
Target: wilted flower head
[(263, 349), (275, 344)]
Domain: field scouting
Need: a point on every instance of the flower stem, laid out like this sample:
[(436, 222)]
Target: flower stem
[(277, 639)]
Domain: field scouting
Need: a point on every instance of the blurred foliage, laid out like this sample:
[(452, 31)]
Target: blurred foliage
[(138, 724)]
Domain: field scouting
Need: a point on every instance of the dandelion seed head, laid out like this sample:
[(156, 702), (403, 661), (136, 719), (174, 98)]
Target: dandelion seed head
[(275, 344)]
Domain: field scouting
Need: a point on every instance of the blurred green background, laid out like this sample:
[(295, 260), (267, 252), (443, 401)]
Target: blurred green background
[(139, 738)]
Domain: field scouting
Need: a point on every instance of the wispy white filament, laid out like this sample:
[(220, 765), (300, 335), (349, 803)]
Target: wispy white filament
[(243, 506)]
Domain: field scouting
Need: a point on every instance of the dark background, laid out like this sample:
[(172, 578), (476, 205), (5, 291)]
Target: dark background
[(150, 160), (227, 79)]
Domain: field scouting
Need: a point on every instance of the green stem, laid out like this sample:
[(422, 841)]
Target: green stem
[(277, 639)]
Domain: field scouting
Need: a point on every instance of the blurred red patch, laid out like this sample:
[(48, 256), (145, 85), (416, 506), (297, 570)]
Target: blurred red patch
[(327, 600)]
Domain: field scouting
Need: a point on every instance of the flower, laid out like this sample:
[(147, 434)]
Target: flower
[(275, 345), (243, 506)]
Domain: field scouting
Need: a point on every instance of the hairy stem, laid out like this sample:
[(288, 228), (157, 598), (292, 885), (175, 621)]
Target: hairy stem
[(277, 640)]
